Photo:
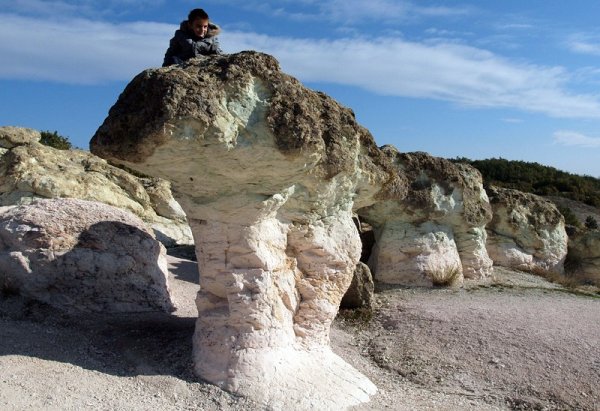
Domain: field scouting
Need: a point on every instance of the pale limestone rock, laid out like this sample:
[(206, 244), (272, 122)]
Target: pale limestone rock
[(435, 233), (16, 136), (268, 173), (526, 233), (30, 170), (82, 256), (412, 255)]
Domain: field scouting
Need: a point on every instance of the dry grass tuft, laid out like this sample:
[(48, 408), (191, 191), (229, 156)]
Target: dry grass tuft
[(450, 277)]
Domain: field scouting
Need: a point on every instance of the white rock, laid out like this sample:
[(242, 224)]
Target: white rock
[(82, 256), (30, 170), (527, 232)]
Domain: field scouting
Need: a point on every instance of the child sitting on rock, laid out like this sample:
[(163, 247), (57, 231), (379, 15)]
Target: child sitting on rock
[(196, 37)]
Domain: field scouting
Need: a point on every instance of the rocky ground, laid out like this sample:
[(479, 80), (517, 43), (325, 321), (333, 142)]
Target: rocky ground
[(513, 342)]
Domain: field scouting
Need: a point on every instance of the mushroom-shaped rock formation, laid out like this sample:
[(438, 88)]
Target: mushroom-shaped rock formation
[(526, 233), (268, 173), (436, 233)]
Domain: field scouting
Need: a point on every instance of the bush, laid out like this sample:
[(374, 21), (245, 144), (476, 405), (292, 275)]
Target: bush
[(537, 179), (570, 218), (55, 140), (591, 223)]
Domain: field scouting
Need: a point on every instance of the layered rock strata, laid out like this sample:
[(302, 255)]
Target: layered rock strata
[(82, 256), (30, 170), (435, 234), (268, 173), (526, 233)]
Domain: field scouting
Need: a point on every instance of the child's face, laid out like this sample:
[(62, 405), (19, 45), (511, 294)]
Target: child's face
[(199, 27)]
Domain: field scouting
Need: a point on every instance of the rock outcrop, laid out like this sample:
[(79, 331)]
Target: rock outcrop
[(82, 256), (360, 292), (583, 258), (526, 233), (268, 173), (434, 234), (30, 170), (17, 136)]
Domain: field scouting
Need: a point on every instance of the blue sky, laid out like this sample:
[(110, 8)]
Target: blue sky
[(480, 79)]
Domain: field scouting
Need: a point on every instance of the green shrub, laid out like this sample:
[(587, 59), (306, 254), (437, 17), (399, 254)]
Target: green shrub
[(537, 179), (591, 223), (53, 139), (570, 218)]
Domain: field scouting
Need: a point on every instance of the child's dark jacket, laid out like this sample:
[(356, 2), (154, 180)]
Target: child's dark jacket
[(185, 44)]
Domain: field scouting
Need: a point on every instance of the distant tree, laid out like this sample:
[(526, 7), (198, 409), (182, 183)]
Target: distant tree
[(537, 179), (591, 223), (53, 139)]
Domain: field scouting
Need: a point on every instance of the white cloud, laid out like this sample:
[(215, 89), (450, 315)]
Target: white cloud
[(64, 8), (584, 44), (80, 52), (573, 138), (85, 51), (350, 11), (444, 71)]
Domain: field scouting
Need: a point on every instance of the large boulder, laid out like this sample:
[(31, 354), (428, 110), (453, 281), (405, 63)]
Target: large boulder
[(16, 136), (583, 258), (435, 234), (30, 170), (82, 256), (526, 233), (268, 173)]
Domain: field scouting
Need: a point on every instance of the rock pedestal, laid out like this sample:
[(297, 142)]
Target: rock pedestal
[(434, 234), (527, 232), (267, 173)]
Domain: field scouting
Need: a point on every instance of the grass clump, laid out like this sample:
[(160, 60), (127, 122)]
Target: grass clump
[(449, 277)]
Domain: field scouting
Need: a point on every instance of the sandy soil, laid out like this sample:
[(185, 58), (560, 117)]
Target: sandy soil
[(514, 342)]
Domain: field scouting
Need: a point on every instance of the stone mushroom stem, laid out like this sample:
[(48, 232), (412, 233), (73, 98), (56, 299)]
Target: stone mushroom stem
[(269, 292)]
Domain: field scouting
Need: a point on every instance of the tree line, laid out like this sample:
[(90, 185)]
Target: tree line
[(537, 179)]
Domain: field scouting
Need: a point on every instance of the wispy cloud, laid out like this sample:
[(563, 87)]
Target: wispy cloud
[(66, 8), (573, 138), (584, 44), (443, 71), (80, 52), (86, 51), (512, 120), (351, 11)]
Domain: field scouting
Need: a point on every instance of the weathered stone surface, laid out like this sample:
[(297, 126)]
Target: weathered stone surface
[(82, 256), (268, 173), (360, 292), (16, 136), (526, 233), (434, 233), (584, 256), (30, 170)]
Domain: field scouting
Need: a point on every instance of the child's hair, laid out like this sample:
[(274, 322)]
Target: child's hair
[(197, 14)]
